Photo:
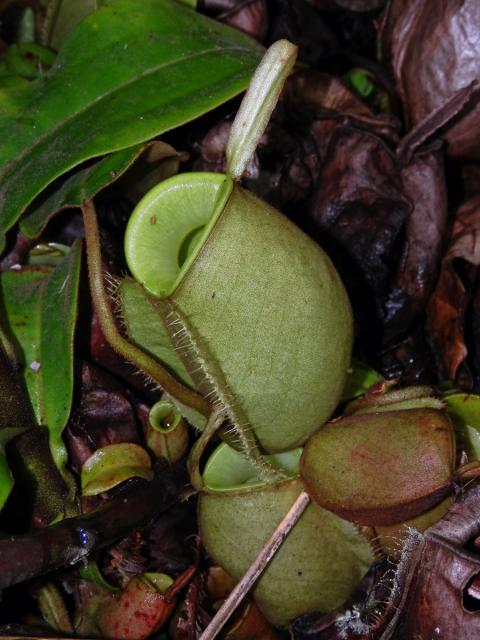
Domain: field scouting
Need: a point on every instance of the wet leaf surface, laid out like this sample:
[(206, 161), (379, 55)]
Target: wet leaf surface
[(448, 304), (433, 54)]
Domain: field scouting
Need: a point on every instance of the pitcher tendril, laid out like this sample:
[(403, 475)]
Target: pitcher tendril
[(107, 322)]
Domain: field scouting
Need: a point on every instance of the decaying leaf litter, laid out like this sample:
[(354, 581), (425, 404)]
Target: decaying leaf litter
[(371, 151)]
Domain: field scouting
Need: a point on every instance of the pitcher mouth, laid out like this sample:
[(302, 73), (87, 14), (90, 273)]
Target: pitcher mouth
[(169, 226), (229, 470)]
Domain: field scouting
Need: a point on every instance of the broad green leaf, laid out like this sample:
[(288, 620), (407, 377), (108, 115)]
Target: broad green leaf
[(110, 465), (86, 182), (127, 73), (464, 409), (78, 187), (15, 94), (40, 306)]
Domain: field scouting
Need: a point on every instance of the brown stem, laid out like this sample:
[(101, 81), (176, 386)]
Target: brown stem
[(256, 568), (60, 545), (127, 350)]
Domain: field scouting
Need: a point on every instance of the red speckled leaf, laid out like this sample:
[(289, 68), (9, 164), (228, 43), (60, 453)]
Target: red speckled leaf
[(380, 468), (136, 613)]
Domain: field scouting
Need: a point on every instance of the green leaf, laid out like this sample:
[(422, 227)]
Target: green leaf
[(15, 94), (110, 465), (50, 254), (26, 60), (127, 73), (14, 409), (80, 186), (91, 572), (189, 3), (464, 409), (15, 415), (360, 81), (359, 379), (87, 182), (40, 306)]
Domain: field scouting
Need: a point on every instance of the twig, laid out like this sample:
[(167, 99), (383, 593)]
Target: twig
[(256, 568)]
